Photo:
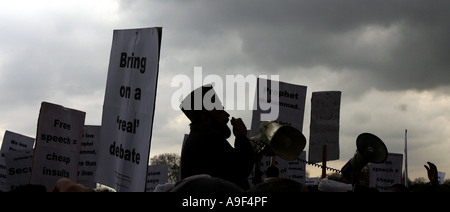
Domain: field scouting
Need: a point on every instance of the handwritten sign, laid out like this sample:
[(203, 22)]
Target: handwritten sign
[(12, 142), (18, 165), (324, 128), (58, 142), (156, 174), (87, 164), (128, 109), (294, 170), (384, 175), (290, 100), (313, 181)]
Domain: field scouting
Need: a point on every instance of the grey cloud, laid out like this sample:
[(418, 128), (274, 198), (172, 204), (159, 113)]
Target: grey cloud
[(408, 48), (45, 58), (353, 46)]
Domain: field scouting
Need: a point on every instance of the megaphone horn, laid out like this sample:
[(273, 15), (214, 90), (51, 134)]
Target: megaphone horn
[(282, 140), (370, 149)]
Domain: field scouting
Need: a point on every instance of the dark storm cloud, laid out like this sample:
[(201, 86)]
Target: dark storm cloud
[(371, 50), (396, 44)]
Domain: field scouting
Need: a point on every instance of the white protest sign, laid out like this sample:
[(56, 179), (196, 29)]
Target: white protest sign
[(122, 156), (291, 104), (312, 181), (294, 170), (324, 128), (87, 164), (384, 175), (156, 174), (18, 165), (58, 142), (11, 142)]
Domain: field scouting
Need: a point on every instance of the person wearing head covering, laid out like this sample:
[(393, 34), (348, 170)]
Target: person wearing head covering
[(206, 150)]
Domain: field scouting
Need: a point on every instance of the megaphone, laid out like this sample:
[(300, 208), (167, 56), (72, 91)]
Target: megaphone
[(370, 149), (282, 140)]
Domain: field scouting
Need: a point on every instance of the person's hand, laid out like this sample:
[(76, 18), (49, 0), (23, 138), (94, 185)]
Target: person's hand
[(239, 128), (432, 173)]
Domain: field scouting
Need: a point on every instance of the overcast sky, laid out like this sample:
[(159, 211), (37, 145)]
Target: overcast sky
[(390, 59)]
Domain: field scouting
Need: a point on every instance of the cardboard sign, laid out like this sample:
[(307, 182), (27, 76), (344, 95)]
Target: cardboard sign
[(88, 156), (290, 102), (294, 170), (128, 109), (12, 142), (156, 174), (312, 181), (324, 128), (18, 165), (58, 142), (384, 175)]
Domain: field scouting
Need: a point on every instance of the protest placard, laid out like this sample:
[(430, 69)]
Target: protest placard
[(156, 174), (88, 156), (294, 169), (384, 175), (289, 100), (58, 142), (18, 165), (290, 103), (312, 181), (12, 142), (128, 109), (324, 128)]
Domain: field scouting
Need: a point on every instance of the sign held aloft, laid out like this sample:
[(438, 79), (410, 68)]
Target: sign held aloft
[(128, 109), (58, 143), (324, 128)]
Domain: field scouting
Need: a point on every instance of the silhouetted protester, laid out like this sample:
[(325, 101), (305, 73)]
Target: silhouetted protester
[(272, 171), (434, 185), (205, 184), (278, 184), (206, 150), (432, 173)]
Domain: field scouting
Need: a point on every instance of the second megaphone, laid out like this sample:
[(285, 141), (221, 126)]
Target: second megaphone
[(369, 149), (282, 140)]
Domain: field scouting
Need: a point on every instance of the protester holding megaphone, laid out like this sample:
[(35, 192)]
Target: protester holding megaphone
[(206, 150)]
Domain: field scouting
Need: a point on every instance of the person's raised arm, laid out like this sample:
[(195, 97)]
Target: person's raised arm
[(432, 173)]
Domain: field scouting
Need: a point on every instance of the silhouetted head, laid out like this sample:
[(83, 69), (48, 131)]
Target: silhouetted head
[(205, 184), (279, 184), (203, 107)]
